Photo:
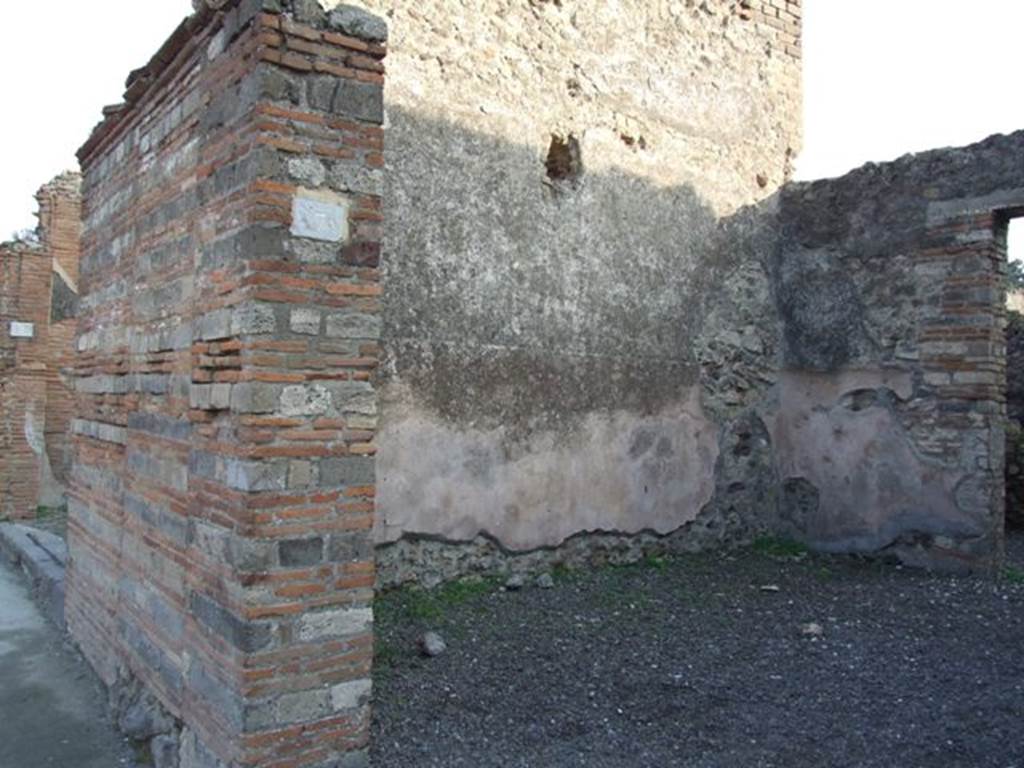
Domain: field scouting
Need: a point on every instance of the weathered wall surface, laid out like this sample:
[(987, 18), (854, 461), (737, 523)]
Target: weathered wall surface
[(36, 288), (890, 285), (60, 227), (557, 360), (25, 283), (221, 569)]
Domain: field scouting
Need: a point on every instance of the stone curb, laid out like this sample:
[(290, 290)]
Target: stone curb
[(43, 558)]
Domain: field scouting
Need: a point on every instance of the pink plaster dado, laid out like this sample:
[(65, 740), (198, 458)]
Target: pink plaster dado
[(873, 486), (615, 472)]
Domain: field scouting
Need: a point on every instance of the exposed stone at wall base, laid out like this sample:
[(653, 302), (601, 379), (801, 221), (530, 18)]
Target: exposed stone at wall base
[(155, 735), (429, 562), (741, 507)]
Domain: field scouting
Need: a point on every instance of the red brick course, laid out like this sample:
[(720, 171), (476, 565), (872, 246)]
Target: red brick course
[(36, 402), (222, 498)]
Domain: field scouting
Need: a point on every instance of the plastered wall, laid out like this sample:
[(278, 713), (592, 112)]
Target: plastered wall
[(560, 355)]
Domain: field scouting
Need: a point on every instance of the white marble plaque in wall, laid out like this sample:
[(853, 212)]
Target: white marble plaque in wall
[(320, 216), (22, 330)]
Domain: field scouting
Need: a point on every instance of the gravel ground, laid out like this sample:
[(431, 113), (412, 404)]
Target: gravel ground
[(699, 661)]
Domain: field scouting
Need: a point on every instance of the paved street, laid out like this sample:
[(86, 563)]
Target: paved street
[(52, 711)]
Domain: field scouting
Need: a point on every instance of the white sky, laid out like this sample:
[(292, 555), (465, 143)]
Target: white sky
[(882, 78)]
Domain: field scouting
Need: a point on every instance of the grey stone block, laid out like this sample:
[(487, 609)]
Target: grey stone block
[(220, 398), (219, 697), (255, 397), (254, 319), (351, 694), (279, 86), (362, 101), (301, 474), (213, 325), (308, 12), (252, 555), (144, 718), (320, 92), (203, 464), (349, 548), (305, 321), (357, 759), (346, 177), (200, 396), (353, 326), (305, 400), (152, 655), (301, 552), (307, 170), (171, 525), (256, 242), (347, 470), (246, 636), (337, 623), (357, 22), (159, 425), (303, 706), (169, 472), (252, 476)]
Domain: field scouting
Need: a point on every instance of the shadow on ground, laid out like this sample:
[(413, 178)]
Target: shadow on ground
[(700, 661), (52, 708)]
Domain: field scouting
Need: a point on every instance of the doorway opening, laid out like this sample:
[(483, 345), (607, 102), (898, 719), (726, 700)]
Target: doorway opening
[(1014, 466)]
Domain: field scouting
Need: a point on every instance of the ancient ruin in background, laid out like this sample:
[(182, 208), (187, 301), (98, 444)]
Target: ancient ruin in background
[(38, 305)]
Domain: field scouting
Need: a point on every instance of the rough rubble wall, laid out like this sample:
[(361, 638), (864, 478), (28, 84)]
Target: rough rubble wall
[(35, 396), (221, 566), (890, 285), (561, 356)]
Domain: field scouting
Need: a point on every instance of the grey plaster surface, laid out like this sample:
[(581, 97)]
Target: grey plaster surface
[(52, 709)]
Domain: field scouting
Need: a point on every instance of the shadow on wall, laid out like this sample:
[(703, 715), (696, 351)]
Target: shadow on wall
[(603, 355), (567, 352)]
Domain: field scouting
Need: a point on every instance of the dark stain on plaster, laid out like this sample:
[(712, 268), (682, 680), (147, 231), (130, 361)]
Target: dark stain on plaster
[(822, 312), (799, 504), (744, 501), (519, 314), (526, 391)]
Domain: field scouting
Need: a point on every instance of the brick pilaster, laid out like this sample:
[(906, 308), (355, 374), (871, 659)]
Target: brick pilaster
[(225, 474)]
